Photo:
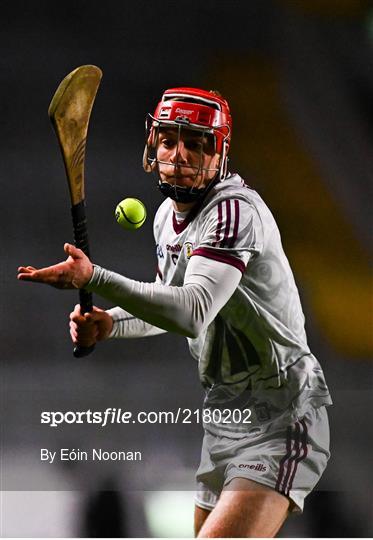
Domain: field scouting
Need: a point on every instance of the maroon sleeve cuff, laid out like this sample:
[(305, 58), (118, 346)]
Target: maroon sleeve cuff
[(221, 257)]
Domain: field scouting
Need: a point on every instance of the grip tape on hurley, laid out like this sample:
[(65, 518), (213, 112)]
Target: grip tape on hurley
[(81, 242)]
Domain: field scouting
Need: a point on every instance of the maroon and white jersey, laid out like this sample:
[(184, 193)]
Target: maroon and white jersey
[(254, 354)]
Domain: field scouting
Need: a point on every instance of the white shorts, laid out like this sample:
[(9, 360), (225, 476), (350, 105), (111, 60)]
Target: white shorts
[(289, 459)]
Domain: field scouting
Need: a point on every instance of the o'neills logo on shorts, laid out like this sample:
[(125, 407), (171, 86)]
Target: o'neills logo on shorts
[(253, 466)]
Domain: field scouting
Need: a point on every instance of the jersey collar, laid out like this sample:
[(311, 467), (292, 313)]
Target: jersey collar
[(182, 225)]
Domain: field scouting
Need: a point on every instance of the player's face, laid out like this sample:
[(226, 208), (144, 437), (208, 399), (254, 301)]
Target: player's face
[(188, 160)]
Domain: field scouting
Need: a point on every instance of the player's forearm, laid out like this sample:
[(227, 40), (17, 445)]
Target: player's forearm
[(185, 310), (173, 309), (126, 325)]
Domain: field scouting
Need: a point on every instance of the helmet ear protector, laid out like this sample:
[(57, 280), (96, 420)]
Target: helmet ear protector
[(193, 109)]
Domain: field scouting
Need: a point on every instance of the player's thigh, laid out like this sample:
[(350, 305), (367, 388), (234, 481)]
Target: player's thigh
[(246, 509), (200, 516)]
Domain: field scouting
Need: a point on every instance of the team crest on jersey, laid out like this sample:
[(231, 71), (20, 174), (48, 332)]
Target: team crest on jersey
[(188, 249)]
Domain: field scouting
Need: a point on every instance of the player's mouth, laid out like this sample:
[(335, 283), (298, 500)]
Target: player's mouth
[(182, 180)]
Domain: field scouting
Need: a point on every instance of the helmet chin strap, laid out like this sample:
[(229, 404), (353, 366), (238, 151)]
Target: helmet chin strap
[(185, 194), (181, 194)]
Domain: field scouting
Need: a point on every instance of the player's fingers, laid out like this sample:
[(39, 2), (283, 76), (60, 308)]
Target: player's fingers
[(86, 338), (83, 340), (74, 335), (73, 326), (25, 274), (76, 312), (73, 251), (93, 316), (25, 269), (79, 334), (84, 331), (81, 320), (48, 274), (56, 275)]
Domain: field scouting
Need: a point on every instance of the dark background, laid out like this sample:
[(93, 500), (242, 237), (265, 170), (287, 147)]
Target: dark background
[(299, 78)]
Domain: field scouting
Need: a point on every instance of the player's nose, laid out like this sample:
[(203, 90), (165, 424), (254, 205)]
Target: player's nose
[(179, 154)]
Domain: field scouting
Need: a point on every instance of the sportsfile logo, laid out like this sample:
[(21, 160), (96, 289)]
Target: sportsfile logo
[(253, 466)]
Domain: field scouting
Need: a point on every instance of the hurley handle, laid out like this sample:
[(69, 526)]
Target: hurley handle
[(81, 242)]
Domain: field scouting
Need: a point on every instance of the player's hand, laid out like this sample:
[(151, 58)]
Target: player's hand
[(73, 273), (87, 329)]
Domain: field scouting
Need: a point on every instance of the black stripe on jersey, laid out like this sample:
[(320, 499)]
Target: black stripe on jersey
[(220, 223), (236, 223), (227, 223), (228, 212)]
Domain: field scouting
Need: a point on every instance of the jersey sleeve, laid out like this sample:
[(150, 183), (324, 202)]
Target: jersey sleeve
[(126, 325), (231, 232), (185, 310)]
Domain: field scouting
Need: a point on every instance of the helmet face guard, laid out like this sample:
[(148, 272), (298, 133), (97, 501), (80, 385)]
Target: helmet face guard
[(193, 111)]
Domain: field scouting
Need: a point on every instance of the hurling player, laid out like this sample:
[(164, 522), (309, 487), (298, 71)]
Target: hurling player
[(225, 284)]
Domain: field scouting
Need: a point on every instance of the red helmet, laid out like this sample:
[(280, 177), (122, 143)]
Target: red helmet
[(199, 109)]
